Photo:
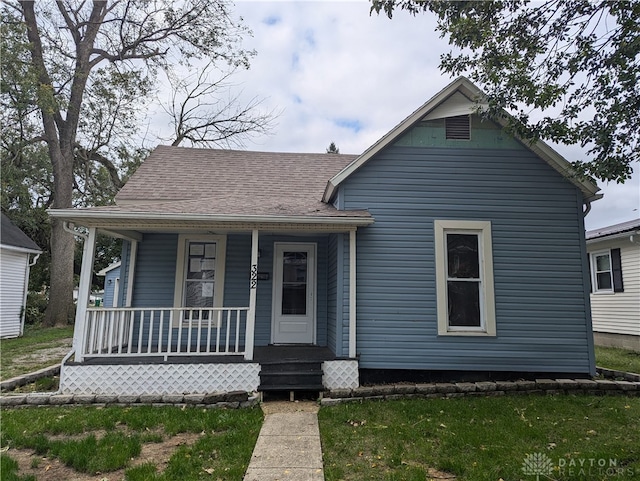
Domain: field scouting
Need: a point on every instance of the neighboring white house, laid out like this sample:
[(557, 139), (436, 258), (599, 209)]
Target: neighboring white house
[(17, 254), (614, 257)]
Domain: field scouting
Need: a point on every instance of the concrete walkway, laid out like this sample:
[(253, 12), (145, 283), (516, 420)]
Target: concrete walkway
[(288, 447)]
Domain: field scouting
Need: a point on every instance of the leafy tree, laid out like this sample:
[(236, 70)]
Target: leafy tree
[(84, 74), (333, 149), (576, 60)]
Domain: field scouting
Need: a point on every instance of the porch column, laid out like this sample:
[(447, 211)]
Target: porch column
[(84, 291), (352, 293), (133, 253), (253, 287)]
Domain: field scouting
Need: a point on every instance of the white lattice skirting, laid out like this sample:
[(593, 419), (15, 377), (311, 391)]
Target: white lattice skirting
[(340, 374), (165, 379)]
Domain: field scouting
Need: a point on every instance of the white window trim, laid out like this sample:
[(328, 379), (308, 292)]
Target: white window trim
[(594, 273), (221, 253), (487, 296)]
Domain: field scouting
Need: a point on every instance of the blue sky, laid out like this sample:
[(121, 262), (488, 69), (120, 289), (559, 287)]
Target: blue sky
[(336, 73)]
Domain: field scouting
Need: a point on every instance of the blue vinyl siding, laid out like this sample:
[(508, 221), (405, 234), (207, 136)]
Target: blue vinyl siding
[(156, 267), (332, 292), (155, 273), (537, 233)]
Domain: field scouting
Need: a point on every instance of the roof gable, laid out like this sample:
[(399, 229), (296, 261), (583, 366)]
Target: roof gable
[(12, 236), (460, 97)]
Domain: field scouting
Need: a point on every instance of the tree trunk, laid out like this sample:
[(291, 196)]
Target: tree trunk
[(60, 309)]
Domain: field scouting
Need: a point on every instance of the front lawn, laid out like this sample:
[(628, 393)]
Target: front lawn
[(482, 438), (136, 443)]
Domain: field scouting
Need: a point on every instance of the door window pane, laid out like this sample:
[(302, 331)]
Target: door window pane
[(294, 283)]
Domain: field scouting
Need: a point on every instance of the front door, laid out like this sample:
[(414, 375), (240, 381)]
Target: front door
[(294, 294)]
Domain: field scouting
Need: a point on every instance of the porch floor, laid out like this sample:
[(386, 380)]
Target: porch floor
[(261, 355)]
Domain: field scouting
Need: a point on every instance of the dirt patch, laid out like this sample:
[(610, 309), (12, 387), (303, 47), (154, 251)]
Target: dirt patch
[(51, 469), (272, 407), (36, 359)]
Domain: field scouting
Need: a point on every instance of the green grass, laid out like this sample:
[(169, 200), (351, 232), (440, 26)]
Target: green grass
[(480, 438), (32, 344), (618, 359), (9, 470), (69, 434)]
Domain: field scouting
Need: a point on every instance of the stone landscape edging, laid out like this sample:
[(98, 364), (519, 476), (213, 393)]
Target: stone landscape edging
[(597, 387), (615, 383), (229, 400)]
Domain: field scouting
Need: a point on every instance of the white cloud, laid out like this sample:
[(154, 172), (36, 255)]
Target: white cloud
[(337, 73)]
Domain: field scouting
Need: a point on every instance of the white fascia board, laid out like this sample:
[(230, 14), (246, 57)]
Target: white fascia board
[(24, 250), (93, 217)]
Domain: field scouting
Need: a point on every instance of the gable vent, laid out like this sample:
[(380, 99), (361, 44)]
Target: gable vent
[(458, 128)]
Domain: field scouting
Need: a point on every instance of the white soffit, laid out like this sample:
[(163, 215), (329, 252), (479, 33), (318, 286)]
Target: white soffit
[(457, 104)]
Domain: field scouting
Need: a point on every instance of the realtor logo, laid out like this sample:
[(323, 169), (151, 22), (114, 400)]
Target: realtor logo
[(537, 464)]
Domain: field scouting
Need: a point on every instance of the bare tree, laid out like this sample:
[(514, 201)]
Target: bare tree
[(205, 109), (83, 51)]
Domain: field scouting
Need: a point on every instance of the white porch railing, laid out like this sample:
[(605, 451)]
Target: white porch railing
[(125, 332)]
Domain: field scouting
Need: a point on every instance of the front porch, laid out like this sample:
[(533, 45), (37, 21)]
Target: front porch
[(153, 341), (271, 370)]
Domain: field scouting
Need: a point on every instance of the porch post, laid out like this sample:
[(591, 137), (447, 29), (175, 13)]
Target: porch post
[(352, 293), (133, 253), (84, 291), (253, 287)]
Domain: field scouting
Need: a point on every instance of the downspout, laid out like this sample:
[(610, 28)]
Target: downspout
[(27, 269), (587, 209)]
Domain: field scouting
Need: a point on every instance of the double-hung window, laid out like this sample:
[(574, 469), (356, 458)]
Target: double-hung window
[(464, 278), (606, 272), (199, 275)]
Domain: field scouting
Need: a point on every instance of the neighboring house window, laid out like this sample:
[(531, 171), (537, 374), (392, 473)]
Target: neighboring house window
[(464, 278), (458, 128), (606, 271), (199, 274)]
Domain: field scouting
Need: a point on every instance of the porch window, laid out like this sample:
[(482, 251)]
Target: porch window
[(464, 278), (199, 274)]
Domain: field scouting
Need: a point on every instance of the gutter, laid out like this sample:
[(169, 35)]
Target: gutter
[(264, 219)]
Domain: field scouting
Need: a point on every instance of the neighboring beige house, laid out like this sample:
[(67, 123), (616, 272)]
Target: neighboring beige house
[(614, 257)]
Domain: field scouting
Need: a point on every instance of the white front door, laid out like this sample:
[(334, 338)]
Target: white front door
[(294, 293)]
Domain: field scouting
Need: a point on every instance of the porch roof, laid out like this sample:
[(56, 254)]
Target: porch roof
[(188, 188)]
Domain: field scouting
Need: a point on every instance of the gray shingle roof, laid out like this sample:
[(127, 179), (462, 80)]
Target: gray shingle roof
[(232, 182), (11, 235), (613, 229)]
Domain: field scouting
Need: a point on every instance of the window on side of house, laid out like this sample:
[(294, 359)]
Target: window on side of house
[(464, 278), (199, 275), (606, 271)]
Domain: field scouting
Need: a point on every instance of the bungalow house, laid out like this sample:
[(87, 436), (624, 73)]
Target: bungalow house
[(614, 255), (448, 249), (17, 254)]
